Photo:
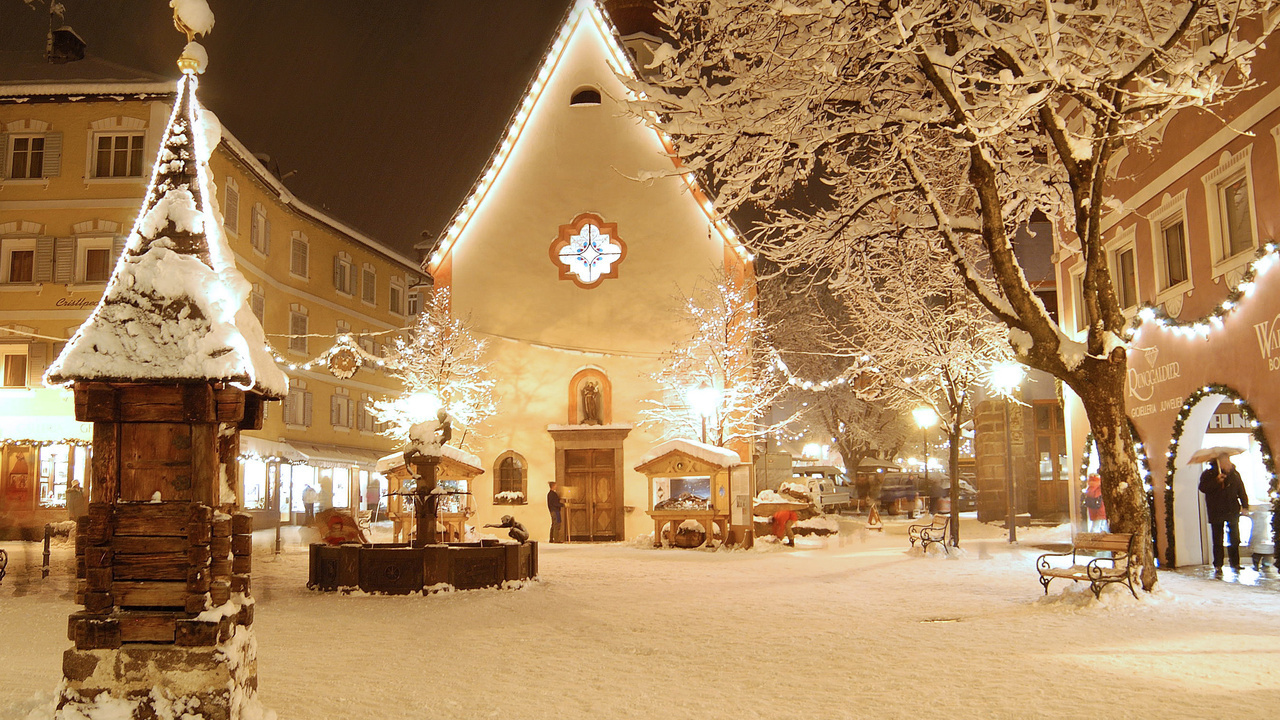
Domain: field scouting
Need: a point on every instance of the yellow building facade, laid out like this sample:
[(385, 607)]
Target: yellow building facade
[(77, 157)]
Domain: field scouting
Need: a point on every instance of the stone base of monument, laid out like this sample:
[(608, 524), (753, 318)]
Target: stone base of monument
[(141, 681), (399, 569)]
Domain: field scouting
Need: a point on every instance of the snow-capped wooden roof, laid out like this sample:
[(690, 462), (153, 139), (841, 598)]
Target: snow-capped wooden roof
[(175, 306), (701, 456)]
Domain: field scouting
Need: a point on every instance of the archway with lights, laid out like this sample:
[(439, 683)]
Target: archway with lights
[(1214, 415)]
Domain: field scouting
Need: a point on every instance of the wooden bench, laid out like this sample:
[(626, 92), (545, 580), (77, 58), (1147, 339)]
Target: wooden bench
[(1098, 570), (934, 532)]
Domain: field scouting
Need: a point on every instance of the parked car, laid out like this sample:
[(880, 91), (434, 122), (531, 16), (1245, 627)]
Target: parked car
[(824, 487)]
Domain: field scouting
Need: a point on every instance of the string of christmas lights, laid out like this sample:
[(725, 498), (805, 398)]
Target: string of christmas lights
[(1266, 259), (29, 442)]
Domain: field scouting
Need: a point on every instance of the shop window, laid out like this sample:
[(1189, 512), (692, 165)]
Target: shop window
[(369, 284), (15, 365), (298, 324), (118, 155), (510, 474), (299, 252), (343, 273)]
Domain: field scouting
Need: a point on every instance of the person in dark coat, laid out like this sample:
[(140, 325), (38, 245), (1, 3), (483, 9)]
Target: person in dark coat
[(1224, 498), (554, 505)]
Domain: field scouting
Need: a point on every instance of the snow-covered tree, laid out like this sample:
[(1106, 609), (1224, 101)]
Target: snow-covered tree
[(830, 114), (724, 364), (442, 365), (811, 332)]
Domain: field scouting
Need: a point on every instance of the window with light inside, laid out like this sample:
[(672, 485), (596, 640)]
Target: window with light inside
[(588, 250)]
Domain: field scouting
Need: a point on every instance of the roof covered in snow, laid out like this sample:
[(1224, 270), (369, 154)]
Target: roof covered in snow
[(175, 307), (718, 456)]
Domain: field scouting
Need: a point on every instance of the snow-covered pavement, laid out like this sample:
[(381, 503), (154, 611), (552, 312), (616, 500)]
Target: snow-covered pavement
[(861, 628)]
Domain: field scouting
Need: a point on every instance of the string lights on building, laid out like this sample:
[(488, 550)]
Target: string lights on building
[(1267, 257)]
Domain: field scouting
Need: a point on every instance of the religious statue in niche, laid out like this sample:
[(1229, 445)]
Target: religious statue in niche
[(591, 403)]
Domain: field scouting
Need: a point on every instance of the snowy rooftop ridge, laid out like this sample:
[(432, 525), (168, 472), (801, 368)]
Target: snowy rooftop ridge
[(174, 308), (710, 453)]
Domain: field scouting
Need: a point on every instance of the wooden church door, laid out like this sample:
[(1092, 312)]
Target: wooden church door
[(589, 481)]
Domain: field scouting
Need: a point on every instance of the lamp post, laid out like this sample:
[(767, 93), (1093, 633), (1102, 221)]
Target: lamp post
[(704, 400), (1005, 379), (925, 418)]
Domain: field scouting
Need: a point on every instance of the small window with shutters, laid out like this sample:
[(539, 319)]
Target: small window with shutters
[(18, 259), (258, 303), (369, 284), (28, 155), (297, 404), (260, 230), (231, 206), (340, 407), (93, 259), (343, 272), (298, 325), (299, 256)]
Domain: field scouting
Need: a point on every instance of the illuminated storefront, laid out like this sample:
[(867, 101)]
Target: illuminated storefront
[(42, 454)]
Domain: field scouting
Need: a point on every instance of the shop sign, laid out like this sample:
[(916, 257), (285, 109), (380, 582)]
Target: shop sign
[(1145, 375), (1228, 419), (1268, 333), (79, 303)]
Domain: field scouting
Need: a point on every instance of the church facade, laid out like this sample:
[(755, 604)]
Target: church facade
[(567, 257)]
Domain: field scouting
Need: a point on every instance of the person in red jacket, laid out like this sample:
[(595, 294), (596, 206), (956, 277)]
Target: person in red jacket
[(1093, 504), (782, 522)]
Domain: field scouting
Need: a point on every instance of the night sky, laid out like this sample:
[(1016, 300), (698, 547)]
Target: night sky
[(386, 109)]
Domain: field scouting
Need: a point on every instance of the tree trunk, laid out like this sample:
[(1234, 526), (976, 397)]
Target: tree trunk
[(953, 465), (1123, 495)]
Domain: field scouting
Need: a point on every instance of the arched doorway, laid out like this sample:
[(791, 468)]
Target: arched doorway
[(1213, 416)]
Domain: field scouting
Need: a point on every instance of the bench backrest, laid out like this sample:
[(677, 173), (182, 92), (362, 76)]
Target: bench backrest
[(1115, 542), (940, 521)]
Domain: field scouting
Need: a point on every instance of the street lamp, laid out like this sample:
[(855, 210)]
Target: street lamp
[(925, 418), (1004, 381), (704, 400)]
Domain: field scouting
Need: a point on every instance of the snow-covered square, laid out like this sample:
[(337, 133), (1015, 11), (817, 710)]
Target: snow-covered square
[(844, 627)]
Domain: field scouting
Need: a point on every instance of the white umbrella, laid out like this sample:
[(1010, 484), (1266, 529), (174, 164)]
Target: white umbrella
[(1210, 453)]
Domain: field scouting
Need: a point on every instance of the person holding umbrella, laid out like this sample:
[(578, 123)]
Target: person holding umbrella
[(1224, 498)]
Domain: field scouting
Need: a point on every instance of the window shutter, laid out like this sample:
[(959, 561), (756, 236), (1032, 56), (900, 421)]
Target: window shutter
[(351, 404), (287, 409), (52, 155), (37, 359), (334, 412), (117, 249), (7, 157), (361, 422), (231, 213), (254, 240), (306, 409), (266, 237), (64, 260), (44, 259), (337, 272)]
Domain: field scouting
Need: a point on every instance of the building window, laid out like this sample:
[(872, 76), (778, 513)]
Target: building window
[(231, 208), (26, 160), (1122, 257), (369, 285), (342, 273), (1237, 216), (585, 96), (340, 408), (298, 260), (1173, 245), (18, 260), (510, 473), (118, 155), (365, 420), (260, 230), (15, 365), (397, 298), (97, 264), (297, 405), (258, 303), (1078, 310), (415, 303), (588, 250), (298, 329)]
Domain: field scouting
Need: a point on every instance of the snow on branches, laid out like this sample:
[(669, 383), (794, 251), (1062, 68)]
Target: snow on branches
[(442, 366), (723, 372)]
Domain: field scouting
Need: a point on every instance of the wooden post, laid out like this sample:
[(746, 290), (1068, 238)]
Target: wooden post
[(424, 505)]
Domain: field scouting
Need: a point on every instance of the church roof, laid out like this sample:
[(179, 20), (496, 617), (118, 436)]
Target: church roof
[(580, 12), (175, 309)]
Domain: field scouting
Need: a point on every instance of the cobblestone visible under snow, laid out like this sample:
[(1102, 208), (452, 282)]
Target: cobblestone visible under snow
[(835, 628)]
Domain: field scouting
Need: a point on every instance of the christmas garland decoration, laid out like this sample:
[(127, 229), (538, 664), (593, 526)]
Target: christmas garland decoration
[(1266, 259), (29, 442), (244, 456), (1268, 461)]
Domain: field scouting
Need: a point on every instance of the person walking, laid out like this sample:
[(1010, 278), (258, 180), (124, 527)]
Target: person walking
[(554, 506), (1093, 504), (1224, 498), (309, 499)]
